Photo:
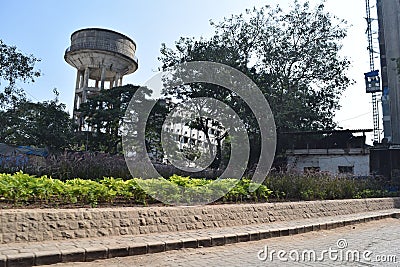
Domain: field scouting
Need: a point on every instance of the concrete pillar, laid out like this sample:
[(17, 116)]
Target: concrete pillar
[(78, 79), (103, 77), (97, 84), (84, 95), (111, 84), (76, 102), (86, 77), (116, 79), (78, 85)]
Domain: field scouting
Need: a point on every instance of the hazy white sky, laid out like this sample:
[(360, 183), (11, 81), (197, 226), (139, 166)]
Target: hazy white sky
[(43, 28)]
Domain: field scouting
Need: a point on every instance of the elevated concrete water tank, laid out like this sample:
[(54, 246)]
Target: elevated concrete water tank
[(102, 57)]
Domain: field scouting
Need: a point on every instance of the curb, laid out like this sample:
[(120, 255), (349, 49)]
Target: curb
[(105, 252)]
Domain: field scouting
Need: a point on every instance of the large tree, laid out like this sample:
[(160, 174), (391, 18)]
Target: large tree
[(189, 49), (23, 122), (292, 56), (104, 113), (14, 66), (41, 124)]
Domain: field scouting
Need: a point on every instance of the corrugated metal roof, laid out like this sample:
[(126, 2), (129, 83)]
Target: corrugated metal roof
[(330, 131)]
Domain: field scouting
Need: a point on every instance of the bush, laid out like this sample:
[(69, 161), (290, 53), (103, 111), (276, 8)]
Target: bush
[(87, 165), (323, 186), (24, 188), (69, 165)]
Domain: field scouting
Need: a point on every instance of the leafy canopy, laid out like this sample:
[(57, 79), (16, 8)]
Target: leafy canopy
[(41, 124), (292, 56), (14, 65)]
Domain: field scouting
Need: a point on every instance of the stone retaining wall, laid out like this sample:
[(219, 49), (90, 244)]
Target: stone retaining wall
[(24, 225)]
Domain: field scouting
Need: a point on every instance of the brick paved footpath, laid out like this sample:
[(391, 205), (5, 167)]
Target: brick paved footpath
[(89, 249), (380, 238)]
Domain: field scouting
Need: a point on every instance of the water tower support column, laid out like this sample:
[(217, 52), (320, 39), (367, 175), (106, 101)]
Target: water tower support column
[(116, 79), (87, 73), (103, 77), (78, 79)]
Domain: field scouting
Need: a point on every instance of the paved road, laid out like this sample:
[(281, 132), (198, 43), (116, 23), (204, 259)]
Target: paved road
[(372, 242)]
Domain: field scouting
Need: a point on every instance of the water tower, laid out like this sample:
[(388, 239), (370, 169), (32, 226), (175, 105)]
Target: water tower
[(102, 57)]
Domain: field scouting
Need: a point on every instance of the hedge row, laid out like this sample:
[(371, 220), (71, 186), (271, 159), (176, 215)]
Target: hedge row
[(319, 186), (24, 188)]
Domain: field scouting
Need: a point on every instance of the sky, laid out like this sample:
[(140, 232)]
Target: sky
[(43, 28)]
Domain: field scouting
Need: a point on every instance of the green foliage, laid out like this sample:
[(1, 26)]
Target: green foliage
[(105, 114), (323, 186), (293, 56), (160, 188), (87, 191), (69, 165), (118, 186), (23, 188), (370, 193), (42, 124), (15, 66), (86, 166)]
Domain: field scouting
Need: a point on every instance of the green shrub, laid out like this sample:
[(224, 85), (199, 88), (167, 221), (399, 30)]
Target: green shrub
[(160, 189), (69, 165), (323, 186), (23, 188)]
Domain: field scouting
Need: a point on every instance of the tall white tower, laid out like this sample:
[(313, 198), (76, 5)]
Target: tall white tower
[(102, 57)]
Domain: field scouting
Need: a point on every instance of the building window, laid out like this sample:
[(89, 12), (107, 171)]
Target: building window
[(311, 169), (346, 169)]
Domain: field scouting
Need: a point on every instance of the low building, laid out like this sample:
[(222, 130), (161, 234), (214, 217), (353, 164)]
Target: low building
[(334, 152), (191, 141), (385, 161), (185, 139)]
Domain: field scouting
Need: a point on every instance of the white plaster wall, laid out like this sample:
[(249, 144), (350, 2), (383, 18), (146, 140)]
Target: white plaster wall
[(330, 163)]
